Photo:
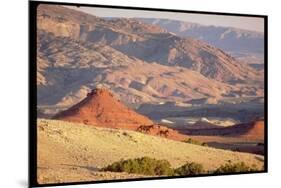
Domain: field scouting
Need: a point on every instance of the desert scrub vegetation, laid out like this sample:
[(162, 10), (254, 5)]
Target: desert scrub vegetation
[(154, 167), (196, 142), (189, 168), (144, 165), (150, 166), (235, 167)]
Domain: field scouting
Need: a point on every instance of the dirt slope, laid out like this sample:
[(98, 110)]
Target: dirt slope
[(67, 152)]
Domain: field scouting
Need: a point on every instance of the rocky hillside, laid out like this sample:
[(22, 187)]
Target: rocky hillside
[(139, 62), (143, 41), (70, 74), (236, 41), (168, 49)]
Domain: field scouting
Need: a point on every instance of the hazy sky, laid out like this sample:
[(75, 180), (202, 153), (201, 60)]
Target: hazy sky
[(249, 23)]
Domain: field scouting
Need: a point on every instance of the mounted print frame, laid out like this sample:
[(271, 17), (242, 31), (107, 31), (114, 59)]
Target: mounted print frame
[(128, 93)]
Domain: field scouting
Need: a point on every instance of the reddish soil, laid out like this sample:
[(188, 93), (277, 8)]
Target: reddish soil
[(100, 108), (253, 130), (246, 137)]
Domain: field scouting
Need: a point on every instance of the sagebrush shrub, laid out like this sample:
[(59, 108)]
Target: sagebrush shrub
[(151, 166), (144, 165), (189, 168), (235, 167), (196, 142)]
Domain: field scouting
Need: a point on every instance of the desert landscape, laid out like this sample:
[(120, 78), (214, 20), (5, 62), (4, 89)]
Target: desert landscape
[(134, 97)]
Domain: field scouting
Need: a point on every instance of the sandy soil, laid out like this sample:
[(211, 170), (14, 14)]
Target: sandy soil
[(69, 153)]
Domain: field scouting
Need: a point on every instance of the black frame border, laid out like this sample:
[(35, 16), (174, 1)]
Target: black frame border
[(32, 88)]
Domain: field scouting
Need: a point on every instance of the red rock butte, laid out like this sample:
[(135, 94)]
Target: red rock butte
[(254, 130), (101, 108), (251, 130)]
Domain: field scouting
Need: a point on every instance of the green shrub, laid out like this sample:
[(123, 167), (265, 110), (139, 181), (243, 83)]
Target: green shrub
[(150, 166), (204, 144), (235, 167), (189, 169), (196, 142), (144, 165)]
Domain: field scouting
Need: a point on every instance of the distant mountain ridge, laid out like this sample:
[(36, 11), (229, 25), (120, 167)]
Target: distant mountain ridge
[(227, 38), (139, 62), (143, 41)]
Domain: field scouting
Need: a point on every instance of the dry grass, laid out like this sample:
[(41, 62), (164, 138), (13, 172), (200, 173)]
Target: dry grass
[(70, 152)]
